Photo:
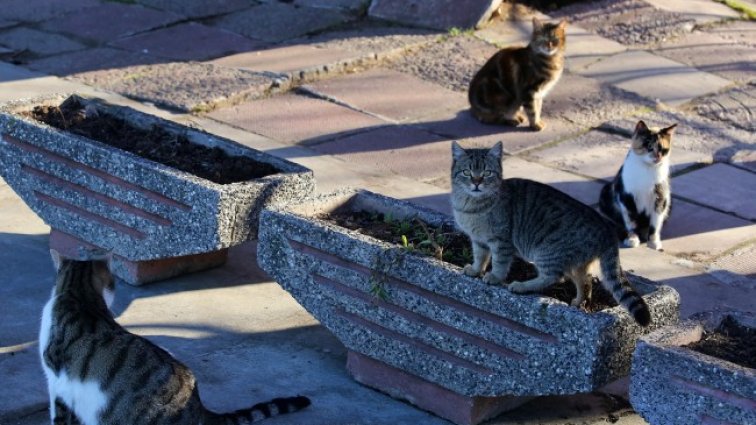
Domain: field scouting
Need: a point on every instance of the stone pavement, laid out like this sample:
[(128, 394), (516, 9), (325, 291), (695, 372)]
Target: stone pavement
[(368, 103)]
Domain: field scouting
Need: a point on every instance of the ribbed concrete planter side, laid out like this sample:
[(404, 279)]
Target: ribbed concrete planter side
[(139, 209), (435, 323), (675, 385)]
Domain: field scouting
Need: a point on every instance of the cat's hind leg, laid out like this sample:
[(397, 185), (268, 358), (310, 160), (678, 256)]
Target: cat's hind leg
[(547, 275), (583, 283)]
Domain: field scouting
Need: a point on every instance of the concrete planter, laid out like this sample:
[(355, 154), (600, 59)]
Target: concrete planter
[(671, 384), (95, 195), (445, 342)]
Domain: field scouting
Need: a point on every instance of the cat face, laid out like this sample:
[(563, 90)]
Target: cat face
[(652, 145), (477, 172), (548, 39)]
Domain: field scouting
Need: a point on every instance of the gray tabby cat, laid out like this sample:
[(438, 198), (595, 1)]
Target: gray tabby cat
[(538, 223), (99, 373)]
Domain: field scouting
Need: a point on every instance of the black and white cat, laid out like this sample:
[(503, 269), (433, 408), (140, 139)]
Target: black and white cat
[(639, 198)]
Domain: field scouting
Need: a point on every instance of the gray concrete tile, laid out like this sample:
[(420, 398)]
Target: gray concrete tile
[(654, 77), (189, 41), (700, 234), (440, 14), (296, 119), (40, 10), (272, 22), (703, 11), (372, 39), (190, 86), (99, 58), (198, 8), (450, 62), (600, 154), (31, 42), (726, 56), (19, 83), (737, 267), (109, 21), (720, 186), (394, 95), (734, 107), (350, 5)]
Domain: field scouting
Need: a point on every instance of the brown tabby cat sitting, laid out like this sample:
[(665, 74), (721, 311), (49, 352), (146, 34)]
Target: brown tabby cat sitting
[(518, 77)]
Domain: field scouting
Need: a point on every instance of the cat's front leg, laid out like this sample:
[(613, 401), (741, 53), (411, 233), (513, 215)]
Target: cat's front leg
[(654, 232), (502, 255), (533, 109), (61, 414), (632, 239), (481, 255)]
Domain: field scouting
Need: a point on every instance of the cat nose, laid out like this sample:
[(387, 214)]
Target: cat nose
[(477, 180)]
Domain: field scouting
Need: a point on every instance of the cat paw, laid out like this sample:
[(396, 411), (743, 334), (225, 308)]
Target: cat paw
[(516, 287), (538, 125), (491, 279), (655, 244), (511, 123), (469, 270), (632, 241)]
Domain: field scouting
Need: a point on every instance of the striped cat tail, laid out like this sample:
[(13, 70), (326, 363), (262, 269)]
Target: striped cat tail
[(617, 284), (265, 410)]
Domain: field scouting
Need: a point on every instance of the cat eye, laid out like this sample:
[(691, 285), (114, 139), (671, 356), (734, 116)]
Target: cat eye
[(466, 173), (487, 173)]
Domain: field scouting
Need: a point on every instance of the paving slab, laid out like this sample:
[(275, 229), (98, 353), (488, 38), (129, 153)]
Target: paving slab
[(97, 24), (704, 186), (703, 11), (183, 86), (737, 267), (372, 40), (506, 32), (600, 154), (273, 22), (700, 234), (450, 62), (359, 6), (99, 58), (654, 77), (727, 57), (400, 150), (461, 125), (189, 41), (735, 107), (6, 24), (20, 83), (198, 8), (296, 119), (391, 95), (739, 31), (439, 14), (298, 62), (31, 42), (630, 22), (40, 10), (699, 291)]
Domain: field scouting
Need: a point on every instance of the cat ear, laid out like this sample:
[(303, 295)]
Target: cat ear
[(496, 150), (562, 24), (457, 151), (641, 127), (537, 24), (669, 130)]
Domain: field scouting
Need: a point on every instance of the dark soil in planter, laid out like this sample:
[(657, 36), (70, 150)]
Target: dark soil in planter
[(548, 5), (155, 143), (731, 341), (447, 244)]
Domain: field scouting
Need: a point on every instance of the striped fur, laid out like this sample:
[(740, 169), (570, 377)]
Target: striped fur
[(519, 217), (519, 77), (99, 373), (639, 199)]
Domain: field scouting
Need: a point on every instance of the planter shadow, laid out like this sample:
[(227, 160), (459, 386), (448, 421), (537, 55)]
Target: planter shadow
[(445, 342), (673, 384), (158, 221)]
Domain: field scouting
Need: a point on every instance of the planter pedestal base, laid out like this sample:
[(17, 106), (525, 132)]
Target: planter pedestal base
[(140, 272), (426, 395)]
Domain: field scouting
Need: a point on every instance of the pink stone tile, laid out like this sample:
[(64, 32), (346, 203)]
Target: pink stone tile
[(288, 59), (394, 150), (189, 41), (109, 21), (90, 60), (39, 10), (700, 233), (720, 186), (394, 95), (296, 119), (434, 14), (198, 8)]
